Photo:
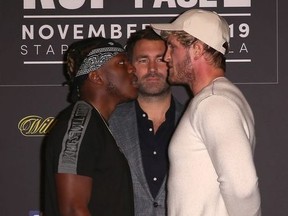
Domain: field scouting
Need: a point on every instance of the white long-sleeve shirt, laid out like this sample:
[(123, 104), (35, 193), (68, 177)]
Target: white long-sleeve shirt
[(212, 172)]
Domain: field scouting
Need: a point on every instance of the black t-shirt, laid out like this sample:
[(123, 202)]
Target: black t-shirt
[(81, 143)]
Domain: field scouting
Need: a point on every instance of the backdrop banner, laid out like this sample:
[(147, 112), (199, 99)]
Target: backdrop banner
[(35, 34)]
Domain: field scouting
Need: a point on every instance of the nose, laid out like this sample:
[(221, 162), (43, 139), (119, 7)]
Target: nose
[(167, 56), (152, 66), (131, 68)]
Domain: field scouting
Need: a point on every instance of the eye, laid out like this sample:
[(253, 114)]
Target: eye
[(170, 46), (142, 60), (122, 61), (160, 59)]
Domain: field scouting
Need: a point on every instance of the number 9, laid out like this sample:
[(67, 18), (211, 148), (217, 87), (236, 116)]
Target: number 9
[(244, 29)]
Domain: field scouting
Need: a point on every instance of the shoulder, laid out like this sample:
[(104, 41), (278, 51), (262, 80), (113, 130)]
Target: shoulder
[(82, 108), (221, 89), (122, 110), (178, 106), (84, 112), (76, 110), (220, 99)]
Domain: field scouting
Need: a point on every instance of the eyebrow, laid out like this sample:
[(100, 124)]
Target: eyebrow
[(146, 56)]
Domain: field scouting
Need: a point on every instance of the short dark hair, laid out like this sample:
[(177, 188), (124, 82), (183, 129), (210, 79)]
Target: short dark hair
[(147, 33)]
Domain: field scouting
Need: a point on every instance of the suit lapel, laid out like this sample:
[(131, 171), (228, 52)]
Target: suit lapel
[(128, 141), (132, 147)]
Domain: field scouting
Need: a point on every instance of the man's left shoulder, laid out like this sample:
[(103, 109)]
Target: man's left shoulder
[(123, 110), (178, 106)]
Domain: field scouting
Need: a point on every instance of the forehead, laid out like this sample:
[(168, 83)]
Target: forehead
[(119, 56), (147, 46), (143, 42), (172, 39), (114, 61)]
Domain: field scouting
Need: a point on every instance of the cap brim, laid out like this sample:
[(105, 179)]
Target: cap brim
[(158, 27)]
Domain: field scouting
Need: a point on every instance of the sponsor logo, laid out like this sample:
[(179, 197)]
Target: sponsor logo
[(34, 125)]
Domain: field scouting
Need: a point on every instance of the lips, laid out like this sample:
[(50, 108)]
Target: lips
[(170, 68), (153, 77)]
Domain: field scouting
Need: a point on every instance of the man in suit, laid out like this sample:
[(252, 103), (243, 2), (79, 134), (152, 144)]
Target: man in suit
[(144, 126)]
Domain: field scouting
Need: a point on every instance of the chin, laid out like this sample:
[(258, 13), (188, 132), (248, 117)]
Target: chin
[(171, 80)]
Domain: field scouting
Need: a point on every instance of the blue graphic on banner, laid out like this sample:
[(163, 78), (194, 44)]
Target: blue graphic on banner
[(34, 213)]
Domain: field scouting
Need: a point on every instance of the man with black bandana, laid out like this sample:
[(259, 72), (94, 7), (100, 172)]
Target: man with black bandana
[(85, 173)]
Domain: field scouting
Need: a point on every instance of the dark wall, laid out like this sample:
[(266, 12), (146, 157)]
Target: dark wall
[(32, 91)]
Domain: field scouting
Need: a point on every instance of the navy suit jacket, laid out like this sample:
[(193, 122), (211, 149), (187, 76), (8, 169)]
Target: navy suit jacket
[(123, 124)]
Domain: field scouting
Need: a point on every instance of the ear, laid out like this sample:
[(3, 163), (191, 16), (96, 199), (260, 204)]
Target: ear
[(197, 49), (95, 77)]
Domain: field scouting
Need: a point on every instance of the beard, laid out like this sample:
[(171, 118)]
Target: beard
[(153, 88), (112, 89), (183, 71), (117, 93)]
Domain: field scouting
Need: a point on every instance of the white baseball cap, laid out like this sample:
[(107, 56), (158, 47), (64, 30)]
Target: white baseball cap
[(206, 26)]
